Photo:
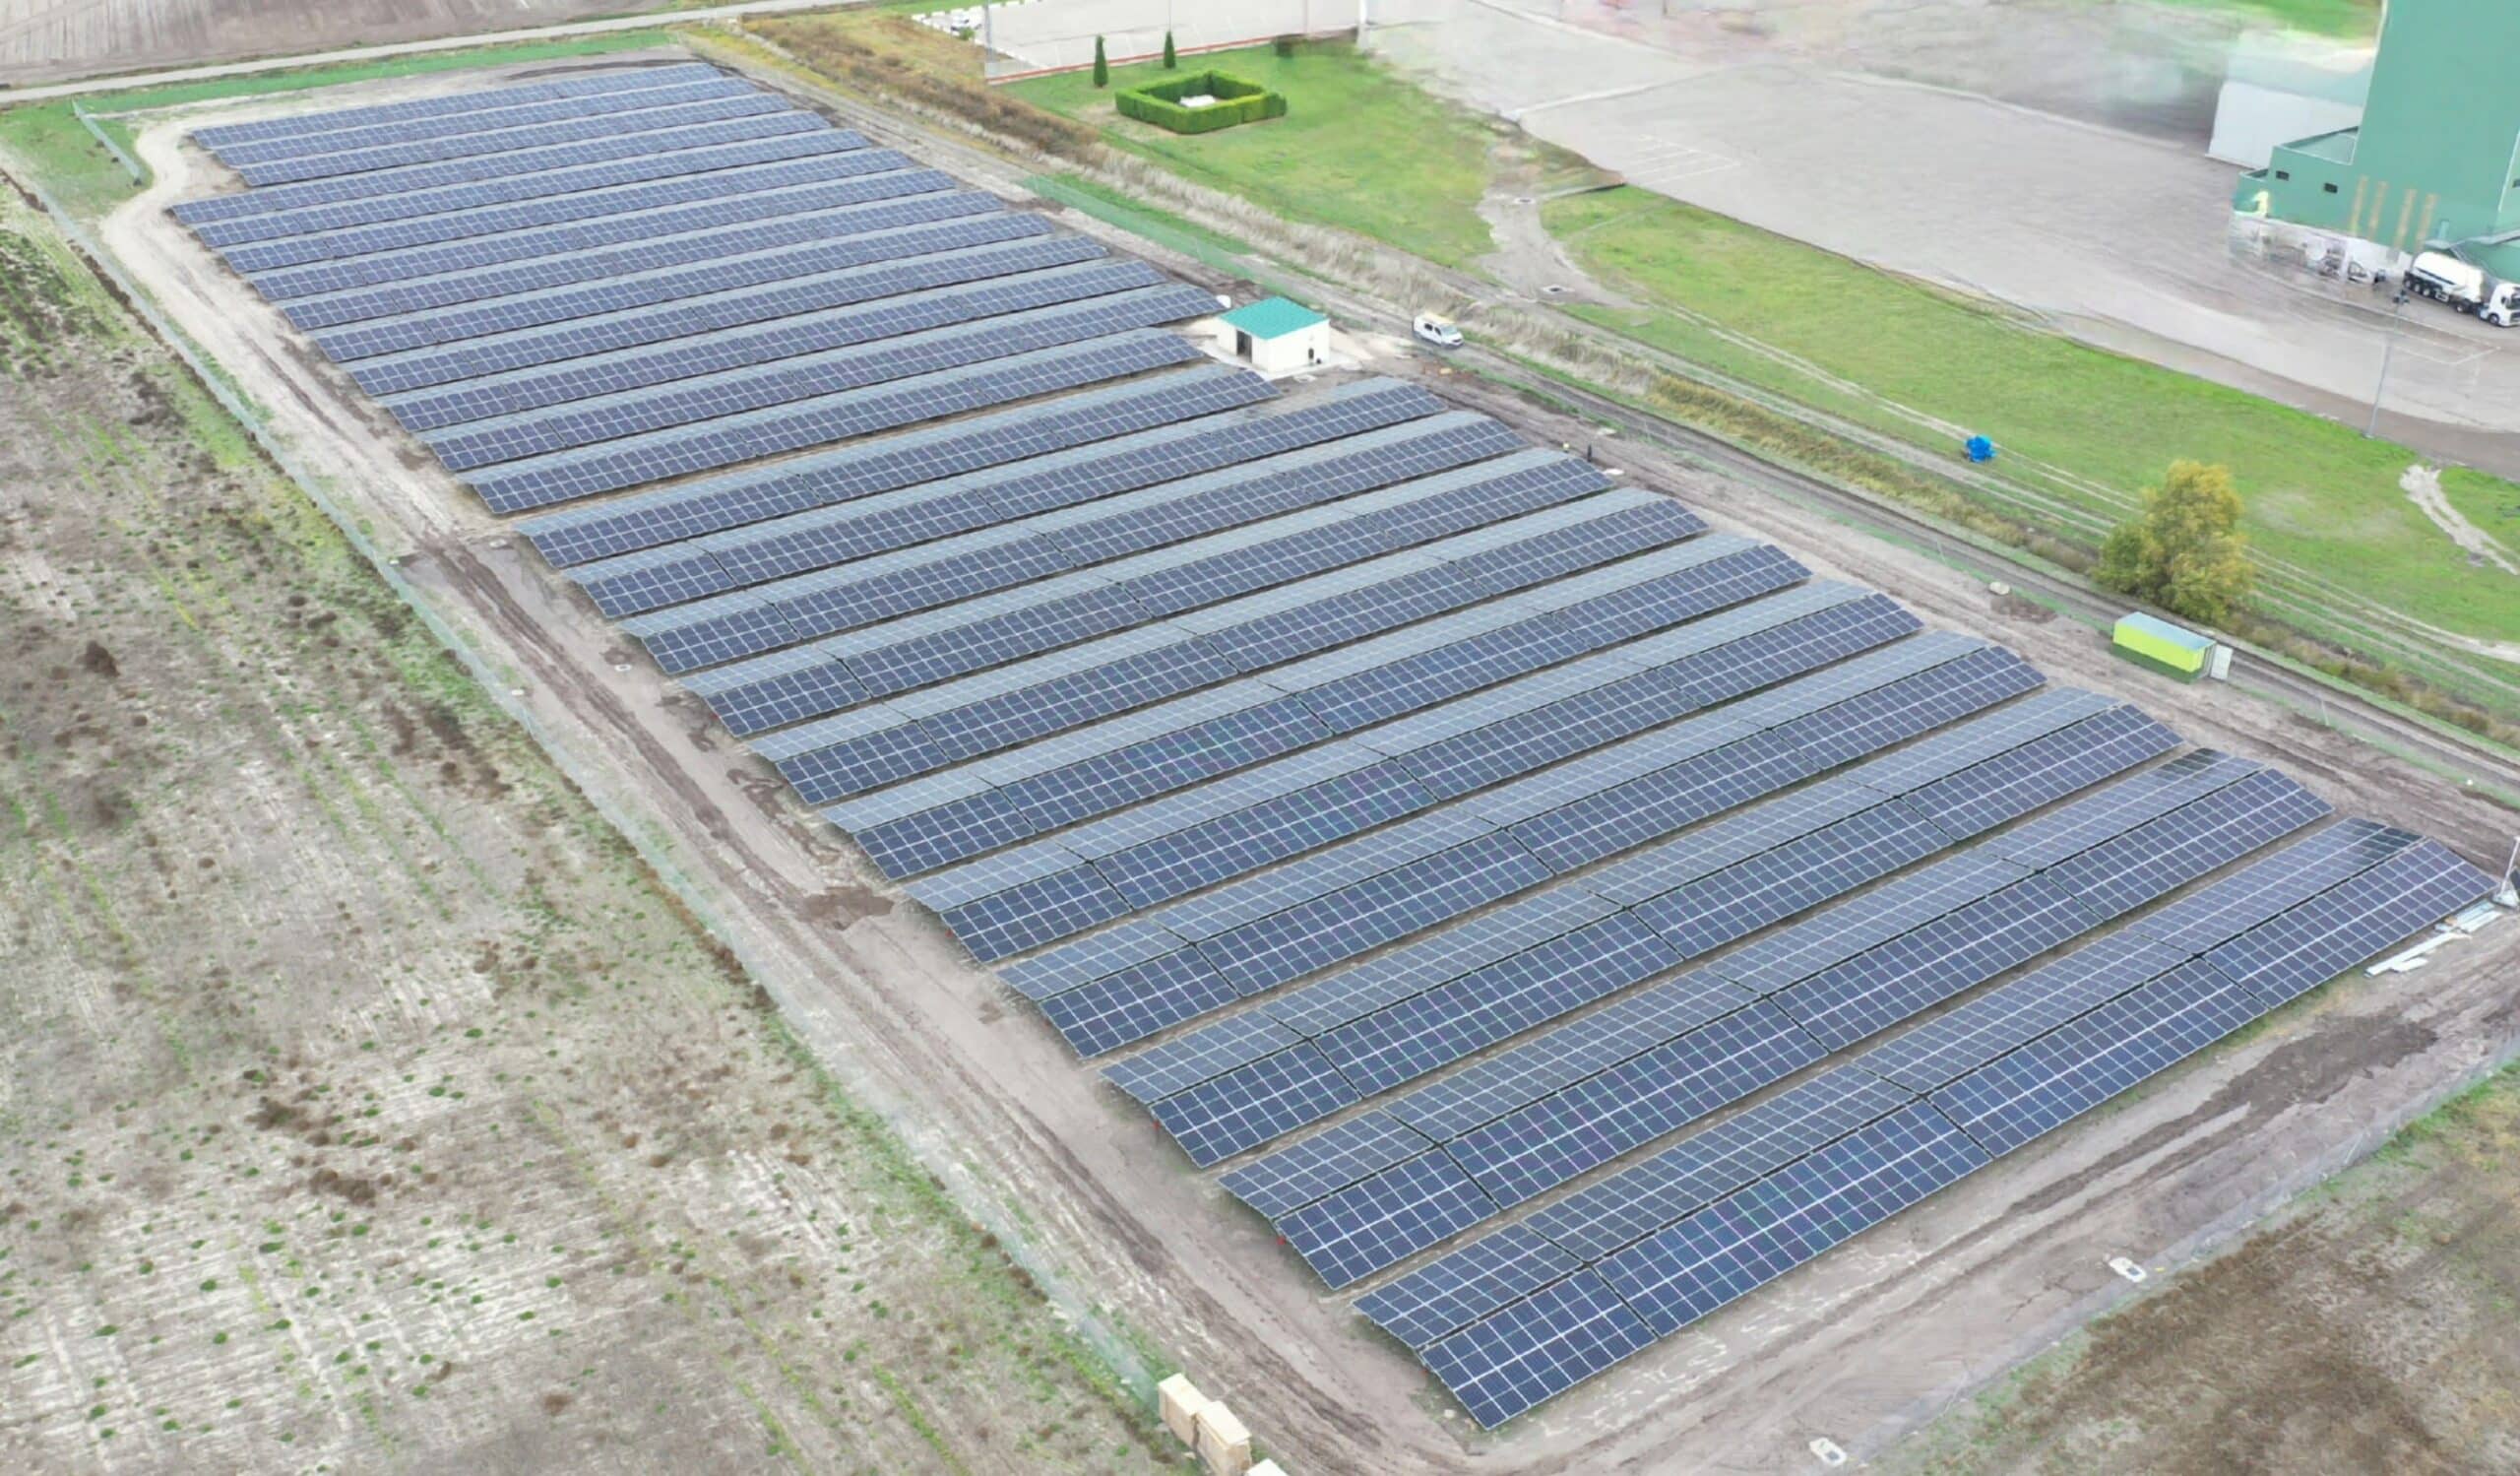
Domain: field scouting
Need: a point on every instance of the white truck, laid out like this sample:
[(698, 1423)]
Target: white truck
[(2470, 289)]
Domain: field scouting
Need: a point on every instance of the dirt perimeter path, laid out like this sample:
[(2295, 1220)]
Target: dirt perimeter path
[(1858, 1348), (285, 30)]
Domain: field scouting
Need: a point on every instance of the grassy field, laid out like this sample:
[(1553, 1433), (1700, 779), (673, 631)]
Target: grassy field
[(2346, 20), (1358, 148), (2319, 494), (2368, 1328), (48, 140), (366, 1104)]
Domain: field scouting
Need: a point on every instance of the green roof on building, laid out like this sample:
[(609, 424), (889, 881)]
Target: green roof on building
[(1273, 318)]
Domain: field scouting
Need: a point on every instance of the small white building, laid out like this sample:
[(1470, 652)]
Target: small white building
[(1278, 337)]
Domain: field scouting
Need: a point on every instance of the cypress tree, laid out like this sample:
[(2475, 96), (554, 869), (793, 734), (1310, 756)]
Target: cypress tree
[(1102, 65), (1171, 61)]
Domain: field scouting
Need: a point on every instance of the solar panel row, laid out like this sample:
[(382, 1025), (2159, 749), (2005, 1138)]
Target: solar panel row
[(725, 440), (832, 758), (492, 121), (589, 339), (310, 178), (265, 243), (359, 200), (768, 226), (739, 257), (689, 383), (1558, 1106), (1734, 1207), (802, 606), (1438, 1000), (1252, 936), (453, 112), (1202, 836), (549, 237)]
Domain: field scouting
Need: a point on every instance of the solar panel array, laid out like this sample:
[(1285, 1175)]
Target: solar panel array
[(1555, 917), (579, 286)]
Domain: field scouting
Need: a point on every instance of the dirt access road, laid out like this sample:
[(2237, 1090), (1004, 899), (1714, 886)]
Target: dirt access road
[(152, 42), (1857, 1347), (366, 1104)]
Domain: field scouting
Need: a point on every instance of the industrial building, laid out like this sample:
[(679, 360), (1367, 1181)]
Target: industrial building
[(2434, 165)]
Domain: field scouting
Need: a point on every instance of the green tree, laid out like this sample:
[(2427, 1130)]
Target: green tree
[(2185, 551), (1170, 58), (1102, 65)]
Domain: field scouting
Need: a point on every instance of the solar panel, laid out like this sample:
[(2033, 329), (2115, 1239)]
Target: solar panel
[(942, 356), (450, 111), (889, 298), (1385, 1219), (2313, 941), (1110, 951), (1137, 1003), (537, 145), (1737, 900), (1453, 1019), (735, 170), (753, 207), (2267, 887), (541, 480), (1636, 1201), (1537, 1348), (1759, 1232), (393, 196), (754, 226), (1488, 1090), (1436, 959), (802, 247), (894, 521), (647, 519), (2061, 834), (2150, 861), (1463, 1286), (489, 126), (2012, 1015), (1287, 945), (1786, 958), (1588, 828), (771, 691), (1219, 1118), (1183, 1062), (1893, 980), (1319, 1166), (1585, 1126), (2003, 788), (2040, 1086)]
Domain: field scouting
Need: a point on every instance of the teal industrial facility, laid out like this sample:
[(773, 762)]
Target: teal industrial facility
[(2434, 165)]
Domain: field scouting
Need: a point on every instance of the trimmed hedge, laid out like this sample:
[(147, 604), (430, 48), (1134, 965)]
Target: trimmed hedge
[(1237, 102)]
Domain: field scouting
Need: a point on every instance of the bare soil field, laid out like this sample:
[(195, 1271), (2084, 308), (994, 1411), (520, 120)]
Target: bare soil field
[(365, 1103), (50, 40), (2368, 1328)]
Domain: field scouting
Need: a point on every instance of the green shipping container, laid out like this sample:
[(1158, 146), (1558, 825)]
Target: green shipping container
[(2162, 647)]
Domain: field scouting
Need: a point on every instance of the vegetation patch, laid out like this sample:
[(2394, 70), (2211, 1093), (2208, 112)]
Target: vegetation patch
[(1199, 102), (1900, 357), (1359, 147)]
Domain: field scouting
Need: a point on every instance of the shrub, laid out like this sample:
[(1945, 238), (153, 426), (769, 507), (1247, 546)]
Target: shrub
[(1237, 102)]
